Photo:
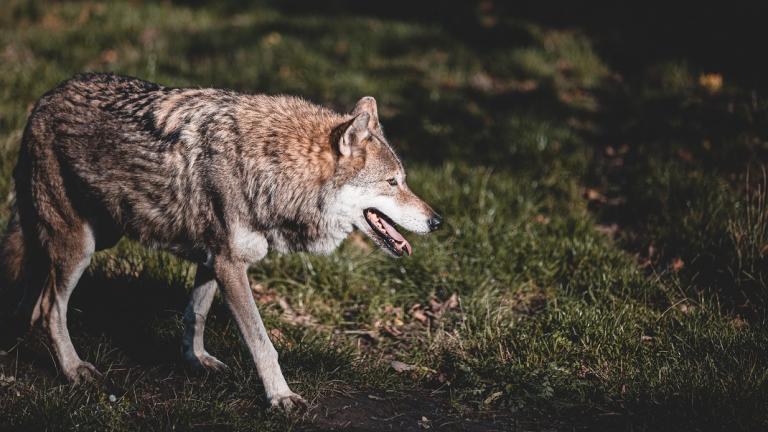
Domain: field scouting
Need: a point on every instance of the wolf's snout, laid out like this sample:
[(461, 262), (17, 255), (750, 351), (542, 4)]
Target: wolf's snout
[(434, 222)]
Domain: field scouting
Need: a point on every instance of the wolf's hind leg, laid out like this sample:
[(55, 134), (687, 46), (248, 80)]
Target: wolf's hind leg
[(68, 256), (194, 322)]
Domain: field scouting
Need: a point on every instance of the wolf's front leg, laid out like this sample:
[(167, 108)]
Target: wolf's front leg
[(232, 276)]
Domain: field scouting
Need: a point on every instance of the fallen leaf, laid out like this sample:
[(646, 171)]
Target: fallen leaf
[(712, 82), (291, 316), (277, 336), (524, 86), (489, 400), (419, 315), (400, 367), (424, 423), (583, 372), (739, 323), (677, 264), (593, 195), (51, 21), (272, 39), (608, 230), (481, 81), (6, 380), (452, 302), (685, 155), (434, 305), (393, 331), (263, 295), (108, 56)]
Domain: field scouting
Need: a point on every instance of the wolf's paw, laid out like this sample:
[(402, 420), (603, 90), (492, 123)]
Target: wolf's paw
[(205, 361), (82, 372), (288, 403)]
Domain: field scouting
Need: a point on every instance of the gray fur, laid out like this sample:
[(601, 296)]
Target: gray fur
[(215, 176)]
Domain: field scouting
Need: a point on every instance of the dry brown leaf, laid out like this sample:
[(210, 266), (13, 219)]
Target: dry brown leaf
[(685, 155), (489, 400), (291, 316), (263, 295), (392, 330), (739, 323), (435, 306), (608, 230), (677, 264), (108, 56), (524, 86), (593, 195), (51, 21), (712, 82), (277, 336), (452, 302), (419, 316), (400, 367)]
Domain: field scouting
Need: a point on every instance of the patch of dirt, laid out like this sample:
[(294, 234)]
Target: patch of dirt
[(374, 411)]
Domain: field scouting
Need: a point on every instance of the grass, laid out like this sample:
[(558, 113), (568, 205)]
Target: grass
[(603, 264)]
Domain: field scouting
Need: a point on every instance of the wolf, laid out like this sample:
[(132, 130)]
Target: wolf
[(216, 177)]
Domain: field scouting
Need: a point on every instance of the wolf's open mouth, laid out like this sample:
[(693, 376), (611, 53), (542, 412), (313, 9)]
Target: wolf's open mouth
[(384, 228)]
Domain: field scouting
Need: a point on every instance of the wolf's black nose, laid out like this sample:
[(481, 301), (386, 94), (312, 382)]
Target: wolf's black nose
[(434, 222)]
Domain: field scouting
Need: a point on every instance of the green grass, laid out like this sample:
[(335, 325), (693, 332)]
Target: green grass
[(564, 320)]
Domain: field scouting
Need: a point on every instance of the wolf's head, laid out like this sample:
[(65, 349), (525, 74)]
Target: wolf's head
[(370, 184)]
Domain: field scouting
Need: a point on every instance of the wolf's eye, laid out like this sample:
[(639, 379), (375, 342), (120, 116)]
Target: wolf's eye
[(392, 181)]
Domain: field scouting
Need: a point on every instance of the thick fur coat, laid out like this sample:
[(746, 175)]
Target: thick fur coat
[(215, 176)]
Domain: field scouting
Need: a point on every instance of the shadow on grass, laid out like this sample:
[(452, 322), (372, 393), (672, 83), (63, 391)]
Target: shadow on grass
[(137, 314), (480, 120), (681, 169)]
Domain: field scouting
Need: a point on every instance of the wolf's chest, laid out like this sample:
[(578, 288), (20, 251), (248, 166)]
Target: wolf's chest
[(322, 242)]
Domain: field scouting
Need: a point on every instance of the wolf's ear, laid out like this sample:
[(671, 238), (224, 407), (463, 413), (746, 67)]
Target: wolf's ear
[(367, 105), (353, 133)]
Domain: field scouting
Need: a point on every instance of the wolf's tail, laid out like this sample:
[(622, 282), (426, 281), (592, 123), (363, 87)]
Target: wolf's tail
[(12, 259), (12, 252)]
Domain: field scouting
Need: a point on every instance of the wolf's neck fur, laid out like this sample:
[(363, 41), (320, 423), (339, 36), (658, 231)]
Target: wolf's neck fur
[(289, 167)]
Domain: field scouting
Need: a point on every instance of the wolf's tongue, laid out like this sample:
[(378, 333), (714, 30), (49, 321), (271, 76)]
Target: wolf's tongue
[(402, 243)]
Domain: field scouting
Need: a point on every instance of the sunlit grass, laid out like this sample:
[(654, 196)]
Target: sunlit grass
[(555, 320)]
